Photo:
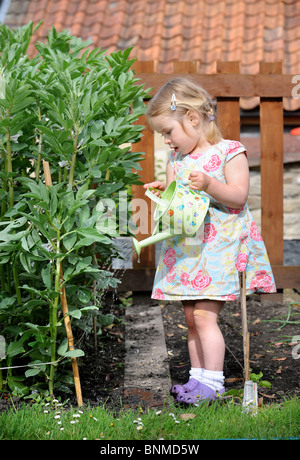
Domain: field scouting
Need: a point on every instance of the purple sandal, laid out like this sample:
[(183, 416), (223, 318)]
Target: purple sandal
[(189, 386), (200, 393)]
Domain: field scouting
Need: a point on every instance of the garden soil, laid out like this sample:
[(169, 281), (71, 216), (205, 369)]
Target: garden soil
[(274, 331)]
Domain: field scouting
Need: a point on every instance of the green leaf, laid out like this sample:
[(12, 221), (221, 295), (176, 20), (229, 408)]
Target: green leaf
[(32, 372), (86, 103), (14, 349), (109, 125), (69, 240), (74, 353), (91, 307), (84, 295), (106, 320), (75, 312), (93, 233), (26, 262), (7, 302), (46, 276), (63, 348), (264, 383), (121, 80), (84, 242)]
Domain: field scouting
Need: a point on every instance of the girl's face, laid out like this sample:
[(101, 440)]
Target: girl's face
[(184, 136)]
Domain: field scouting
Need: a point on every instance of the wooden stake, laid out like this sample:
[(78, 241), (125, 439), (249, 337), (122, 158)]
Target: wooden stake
[(64, 304), (246, 335), (95, 320), (47, 173)]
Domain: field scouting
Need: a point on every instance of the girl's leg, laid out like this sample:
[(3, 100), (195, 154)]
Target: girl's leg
[(194, 344), (206, 314), (194, 348), (206, 350)]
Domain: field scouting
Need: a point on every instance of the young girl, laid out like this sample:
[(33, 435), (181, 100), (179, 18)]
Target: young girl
[(202, 272)]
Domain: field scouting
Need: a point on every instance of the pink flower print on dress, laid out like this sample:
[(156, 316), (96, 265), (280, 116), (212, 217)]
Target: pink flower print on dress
[(209, 233), (171, 275), (170, 258), (232, 147), (262, 282), (201, 281), (254, 232), (195, 156), (228, 297), (213, 163), (158, 294), (234, 211), (184, 278), (241, 262)]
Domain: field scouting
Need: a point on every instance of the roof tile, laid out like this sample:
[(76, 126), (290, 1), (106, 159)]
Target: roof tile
[(178, 30)]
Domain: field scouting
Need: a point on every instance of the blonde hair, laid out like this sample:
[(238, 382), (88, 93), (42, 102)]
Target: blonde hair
[(188, 96)]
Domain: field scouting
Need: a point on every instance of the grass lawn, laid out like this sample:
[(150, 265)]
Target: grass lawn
[(218, 421)]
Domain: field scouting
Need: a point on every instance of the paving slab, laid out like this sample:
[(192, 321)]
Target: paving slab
[(147, 379)]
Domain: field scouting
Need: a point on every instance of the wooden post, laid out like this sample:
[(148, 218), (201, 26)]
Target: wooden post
[(271, 167), (229, 107), (271, 131), (146, 144), (188, 67), (64, 305)]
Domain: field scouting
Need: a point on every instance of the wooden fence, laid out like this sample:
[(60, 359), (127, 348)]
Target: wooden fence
[(227, 86)]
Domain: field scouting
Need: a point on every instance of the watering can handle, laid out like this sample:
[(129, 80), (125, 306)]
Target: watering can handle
[(155, 198)]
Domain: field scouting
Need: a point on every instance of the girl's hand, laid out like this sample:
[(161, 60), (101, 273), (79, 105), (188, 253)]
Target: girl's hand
[(199, 180), (234, 191), (157, 184)]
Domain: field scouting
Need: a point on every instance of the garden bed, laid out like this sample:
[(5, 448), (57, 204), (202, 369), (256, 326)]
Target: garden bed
[(102, 374), (102, 368)]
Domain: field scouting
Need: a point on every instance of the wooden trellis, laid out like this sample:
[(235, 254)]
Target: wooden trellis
[(227, 86)]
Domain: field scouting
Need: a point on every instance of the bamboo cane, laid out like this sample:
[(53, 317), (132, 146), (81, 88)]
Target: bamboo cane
[(246, 336), (64, 304), (67, 321)]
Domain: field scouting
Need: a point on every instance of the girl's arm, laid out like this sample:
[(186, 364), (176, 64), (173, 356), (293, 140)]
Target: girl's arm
[(234, 192), (170, 176)]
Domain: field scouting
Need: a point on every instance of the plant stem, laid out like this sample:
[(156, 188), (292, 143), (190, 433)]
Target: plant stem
[(53, 320), (72, 169), (17, 286), (9, 170), (10, 205), (38, 163), (4, 184)]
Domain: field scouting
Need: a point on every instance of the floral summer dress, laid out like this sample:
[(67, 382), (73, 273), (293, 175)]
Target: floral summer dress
[(206, 266)]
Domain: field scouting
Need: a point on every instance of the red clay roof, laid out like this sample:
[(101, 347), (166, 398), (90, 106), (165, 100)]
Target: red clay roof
[(165, 31)]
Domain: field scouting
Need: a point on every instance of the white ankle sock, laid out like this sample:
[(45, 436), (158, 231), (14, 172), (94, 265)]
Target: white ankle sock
[(196, 373), (213, 379)]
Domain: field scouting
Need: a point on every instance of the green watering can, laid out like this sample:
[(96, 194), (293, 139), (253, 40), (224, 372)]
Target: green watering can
[(181, 211)]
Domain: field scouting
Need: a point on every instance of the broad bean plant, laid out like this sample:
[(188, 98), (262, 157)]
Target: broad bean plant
[(74, 107)]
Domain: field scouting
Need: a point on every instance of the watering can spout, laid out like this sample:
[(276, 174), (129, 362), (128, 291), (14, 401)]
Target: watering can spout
[(138, 245)]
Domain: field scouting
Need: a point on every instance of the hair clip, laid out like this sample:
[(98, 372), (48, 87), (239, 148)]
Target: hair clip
[(211, 118), (173, 102)]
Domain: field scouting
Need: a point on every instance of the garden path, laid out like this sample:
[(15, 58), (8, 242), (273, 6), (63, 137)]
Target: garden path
[(147, 376)]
